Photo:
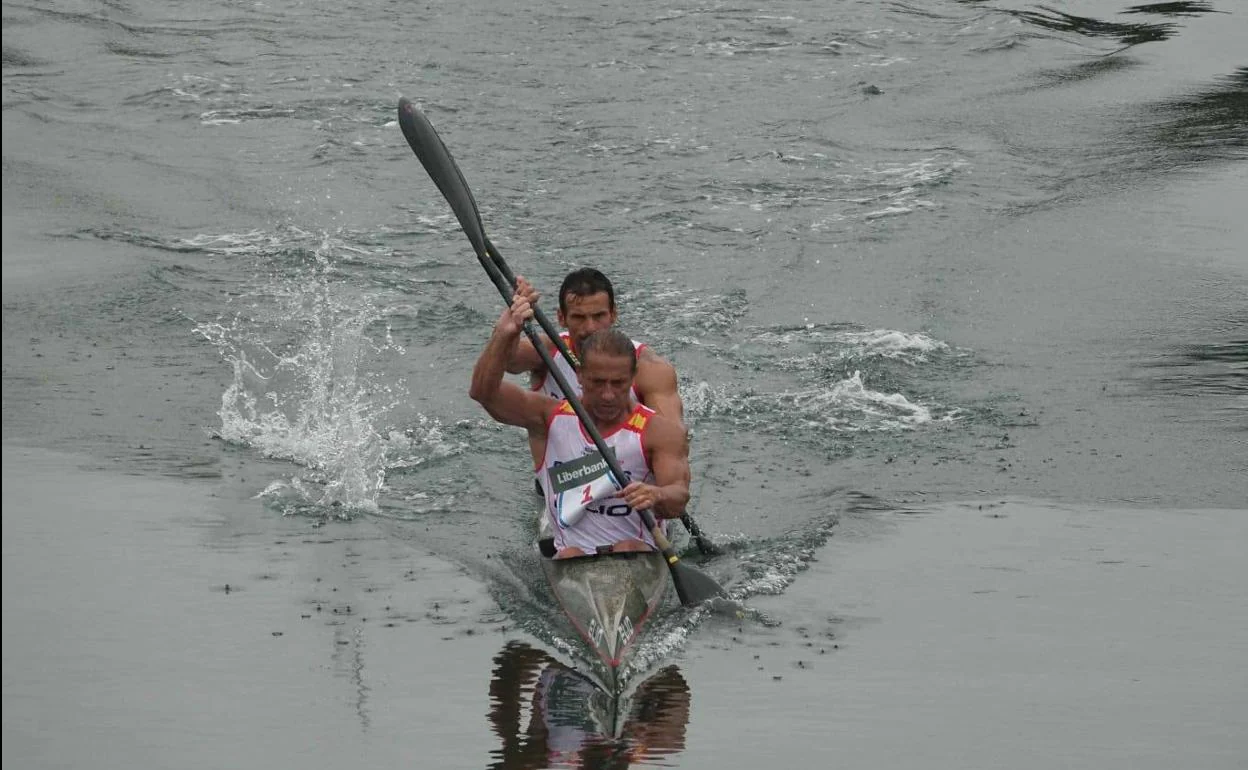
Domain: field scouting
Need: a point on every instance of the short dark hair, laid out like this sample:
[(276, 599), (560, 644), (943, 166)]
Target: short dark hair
[(609, 342), (583, 282)]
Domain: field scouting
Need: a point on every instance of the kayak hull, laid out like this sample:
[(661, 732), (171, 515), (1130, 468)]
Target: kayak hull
[(608, 598)]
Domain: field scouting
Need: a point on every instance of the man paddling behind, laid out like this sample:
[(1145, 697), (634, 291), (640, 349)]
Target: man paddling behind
[(587, 305), (586, 513)]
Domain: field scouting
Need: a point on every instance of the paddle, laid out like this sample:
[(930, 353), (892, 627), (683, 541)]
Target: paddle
[(692, 586), (445, 172), (437, 160)]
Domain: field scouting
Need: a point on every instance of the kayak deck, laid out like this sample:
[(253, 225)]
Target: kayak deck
[(608, 598)]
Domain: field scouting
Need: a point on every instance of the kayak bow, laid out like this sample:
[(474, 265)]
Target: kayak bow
[(608, 598)]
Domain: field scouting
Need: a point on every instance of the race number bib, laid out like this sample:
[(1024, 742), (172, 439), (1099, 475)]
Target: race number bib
[(579, 484)]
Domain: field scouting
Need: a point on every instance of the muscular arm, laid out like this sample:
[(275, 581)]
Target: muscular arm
[(657, 386), (525, 358), (667, 451), (505, 401)]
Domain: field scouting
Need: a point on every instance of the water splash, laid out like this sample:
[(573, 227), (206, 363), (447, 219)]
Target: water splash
[(844, 406), (905, 347), (304, 388), (895, 188)]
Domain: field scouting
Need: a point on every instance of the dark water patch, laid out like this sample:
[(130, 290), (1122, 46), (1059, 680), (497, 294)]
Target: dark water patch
[(87, 19), (1085, 71), (16, 57), (132, 23), (148, 301), (155, 456), (1149, 138), (1004, 42), (55, 106), (999, 411), (1179, 9), (1209, 125), (146, 240), (402, 280), (129, 50), (1086, 26), (914, 9), (1214, 370)]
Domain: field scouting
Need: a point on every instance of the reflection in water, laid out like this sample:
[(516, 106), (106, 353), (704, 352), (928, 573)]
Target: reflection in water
[(572, 723)]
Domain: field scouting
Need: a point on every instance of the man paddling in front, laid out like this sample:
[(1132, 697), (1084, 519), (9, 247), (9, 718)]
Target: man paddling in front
[(587, 305), (587, 512)]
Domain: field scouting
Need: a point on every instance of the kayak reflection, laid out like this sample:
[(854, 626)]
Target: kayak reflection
[(572, 723)]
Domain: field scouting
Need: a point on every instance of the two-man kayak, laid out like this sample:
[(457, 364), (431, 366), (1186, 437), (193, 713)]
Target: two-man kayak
[(608, 598)]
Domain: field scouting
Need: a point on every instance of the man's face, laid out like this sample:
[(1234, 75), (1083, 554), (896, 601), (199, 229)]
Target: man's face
[(606, 386), (585, 315)]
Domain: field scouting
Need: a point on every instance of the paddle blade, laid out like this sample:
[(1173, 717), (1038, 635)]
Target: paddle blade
[(445, 173), (694, 587)]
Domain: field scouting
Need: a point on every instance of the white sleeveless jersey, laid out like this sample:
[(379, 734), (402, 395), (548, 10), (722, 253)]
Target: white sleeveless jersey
[(581, 493), (551, 388)]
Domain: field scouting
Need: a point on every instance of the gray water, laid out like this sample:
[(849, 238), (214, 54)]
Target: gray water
[(902, 255)]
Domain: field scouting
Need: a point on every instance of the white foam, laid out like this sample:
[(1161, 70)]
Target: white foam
[(302, 389), (847, 406), (910, 347)]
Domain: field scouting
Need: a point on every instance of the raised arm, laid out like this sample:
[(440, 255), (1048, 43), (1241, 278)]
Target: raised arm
[(505, 401), (524, 357), (667, 451)]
